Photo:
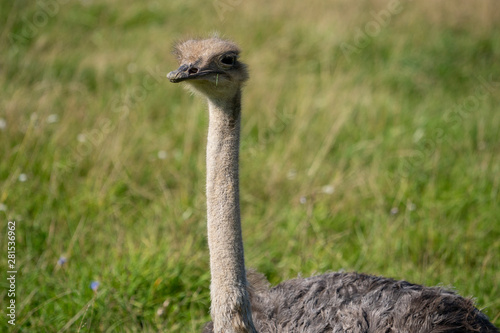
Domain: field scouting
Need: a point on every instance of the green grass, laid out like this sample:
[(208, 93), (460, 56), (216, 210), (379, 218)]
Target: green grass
[(405, 132)]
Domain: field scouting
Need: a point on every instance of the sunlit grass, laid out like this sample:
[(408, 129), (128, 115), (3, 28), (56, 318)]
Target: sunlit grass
[(384, 160)]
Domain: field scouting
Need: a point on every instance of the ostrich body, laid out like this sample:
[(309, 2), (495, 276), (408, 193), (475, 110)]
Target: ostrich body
[(334, 302)]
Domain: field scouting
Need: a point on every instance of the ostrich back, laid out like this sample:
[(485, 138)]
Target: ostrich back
[(352, 302)]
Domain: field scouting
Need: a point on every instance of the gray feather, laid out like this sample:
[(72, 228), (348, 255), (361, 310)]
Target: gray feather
[(359, 303)]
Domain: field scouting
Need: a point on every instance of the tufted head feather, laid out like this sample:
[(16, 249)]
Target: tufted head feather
[(209, 66)]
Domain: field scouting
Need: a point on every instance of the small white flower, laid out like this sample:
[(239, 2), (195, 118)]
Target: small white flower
[(328, 189), (23, 177), (3, 124), (394, 210), (53, 118), (81, 138), (164, 306), (162, 154), (303, 200), (3, 207)]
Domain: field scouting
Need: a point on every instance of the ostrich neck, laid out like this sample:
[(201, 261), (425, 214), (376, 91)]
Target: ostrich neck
[(230, 302)]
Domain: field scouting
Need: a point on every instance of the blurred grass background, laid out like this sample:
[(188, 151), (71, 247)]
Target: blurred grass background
[(370, 142)]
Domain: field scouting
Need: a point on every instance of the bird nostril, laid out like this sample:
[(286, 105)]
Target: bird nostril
[(193, 70)]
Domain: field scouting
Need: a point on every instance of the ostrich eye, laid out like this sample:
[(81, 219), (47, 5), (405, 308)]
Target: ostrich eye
[(228, 60)]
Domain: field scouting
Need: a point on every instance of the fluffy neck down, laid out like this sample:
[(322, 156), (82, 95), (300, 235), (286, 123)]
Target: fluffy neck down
[(230, 302)]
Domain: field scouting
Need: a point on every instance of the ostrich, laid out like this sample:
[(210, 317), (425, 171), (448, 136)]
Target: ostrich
[(243, 302)]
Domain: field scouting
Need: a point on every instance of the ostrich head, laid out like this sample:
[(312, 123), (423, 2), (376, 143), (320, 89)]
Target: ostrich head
[(210, 67)]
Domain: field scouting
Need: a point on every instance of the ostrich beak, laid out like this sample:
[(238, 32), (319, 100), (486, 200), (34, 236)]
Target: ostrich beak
[(181, 73), (188, 72)]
